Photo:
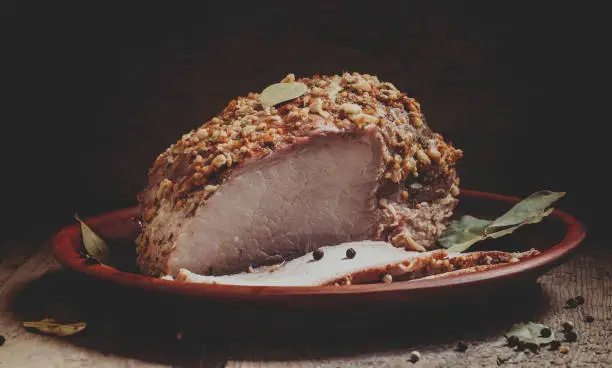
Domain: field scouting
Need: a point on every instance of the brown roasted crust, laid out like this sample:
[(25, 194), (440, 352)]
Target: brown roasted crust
[(482, 261), (437, 264), (417, 160), (473, 261)]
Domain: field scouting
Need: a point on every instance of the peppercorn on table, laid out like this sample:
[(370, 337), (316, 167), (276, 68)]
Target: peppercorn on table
[(127, 329)]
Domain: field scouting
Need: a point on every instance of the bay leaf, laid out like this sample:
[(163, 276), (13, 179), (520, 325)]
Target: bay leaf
[(461, 234), (52, 327), (530, 210), (530, 333), (281, 92), (93, 243)]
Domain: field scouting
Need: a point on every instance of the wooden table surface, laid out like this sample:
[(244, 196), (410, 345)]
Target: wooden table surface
[(121, 333)]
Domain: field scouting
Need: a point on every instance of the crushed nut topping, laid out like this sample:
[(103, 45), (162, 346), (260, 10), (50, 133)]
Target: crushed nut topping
[(316, 107), (289, 78), (210, 188), (454, 191), (190, 170), (350, 108)]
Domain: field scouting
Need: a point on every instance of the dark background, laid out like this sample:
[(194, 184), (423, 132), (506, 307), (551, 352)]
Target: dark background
[(94, 92)]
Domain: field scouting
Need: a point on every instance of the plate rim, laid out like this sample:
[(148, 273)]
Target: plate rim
[(64, 252)]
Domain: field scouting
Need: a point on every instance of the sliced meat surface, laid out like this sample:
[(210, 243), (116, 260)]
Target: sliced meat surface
[(372, 261), (281, 206)]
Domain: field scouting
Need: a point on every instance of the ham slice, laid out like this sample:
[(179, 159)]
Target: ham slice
[(372, 262)]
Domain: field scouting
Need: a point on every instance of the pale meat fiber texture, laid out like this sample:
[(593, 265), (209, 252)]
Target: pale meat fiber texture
[(351, 159)]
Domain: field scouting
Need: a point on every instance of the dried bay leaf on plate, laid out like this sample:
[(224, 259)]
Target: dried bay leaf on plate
[(530, 333), (465, 232), (94, 245), (52, 327), (281, 92), (530, 210)]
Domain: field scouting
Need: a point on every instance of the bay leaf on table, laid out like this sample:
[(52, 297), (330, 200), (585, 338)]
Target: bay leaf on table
[(530, 333)]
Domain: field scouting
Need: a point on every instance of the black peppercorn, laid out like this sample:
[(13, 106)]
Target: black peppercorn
[(579, 299), (317, 254), (2, 340), (555, 344), (545, 332), (571, 336), (513, 341), (415, 356), (589, 318), (572, 303), (568, 326), (521, 346), (351, 253), (534, 348), (461, 346)]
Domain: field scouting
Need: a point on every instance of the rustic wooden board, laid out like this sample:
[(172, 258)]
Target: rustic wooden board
[(121, 334)]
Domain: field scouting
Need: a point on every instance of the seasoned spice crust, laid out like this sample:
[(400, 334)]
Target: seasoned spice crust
[(417, 160)]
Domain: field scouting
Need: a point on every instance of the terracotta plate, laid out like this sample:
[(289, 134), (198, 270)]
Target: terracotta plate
[(557, 237)]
